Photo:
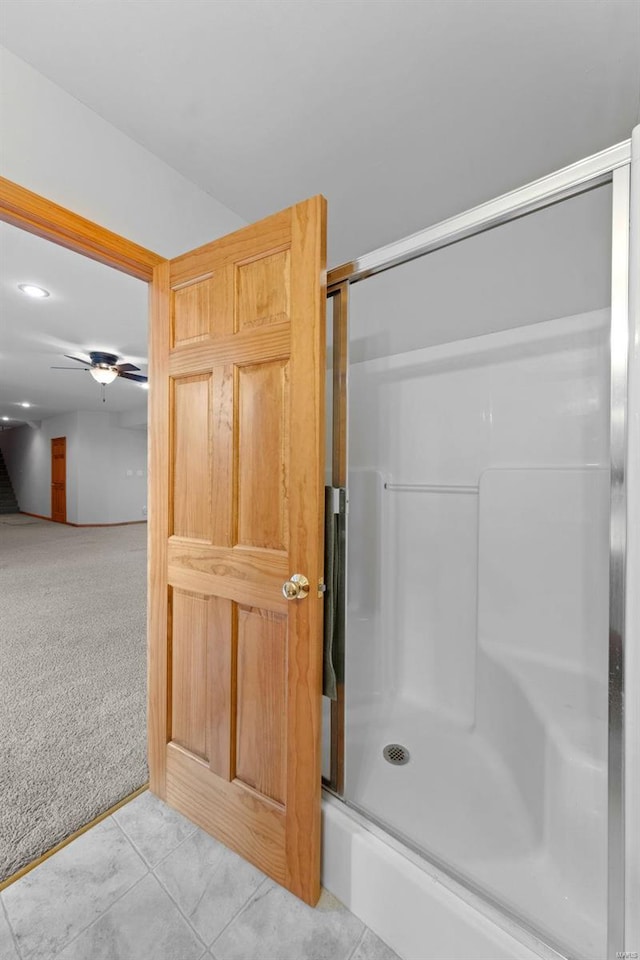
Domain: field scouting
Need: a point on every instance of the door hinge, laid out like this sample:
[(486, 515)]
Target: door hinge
[(322, 587)]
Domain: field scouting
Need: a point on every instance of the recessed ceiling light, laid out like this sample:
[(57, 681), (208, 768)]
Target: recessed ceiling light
[(32, 291), (25, 404), (5, 418), (144, 386)]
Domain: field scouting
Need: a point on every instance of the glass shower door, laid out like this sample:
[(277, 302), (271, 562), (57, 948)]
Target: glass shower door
[(478, 559)]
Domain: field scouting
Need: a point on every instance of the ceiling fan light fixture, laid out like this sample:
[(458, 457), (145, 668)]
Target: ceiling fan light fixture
[(31, 290), (103, 375)]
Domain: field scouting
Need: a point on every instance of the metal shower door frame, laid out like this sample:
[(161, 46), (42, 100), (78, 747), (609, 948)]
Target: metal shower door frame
[(614, 166)]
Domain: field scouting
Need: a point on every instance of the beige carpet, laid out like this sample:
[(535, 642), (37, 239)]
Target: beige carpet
[(72, 679)]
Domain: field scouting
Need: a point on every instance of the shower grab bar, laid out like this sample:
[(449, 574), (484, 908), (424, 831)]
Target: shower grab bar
[(431, 488)]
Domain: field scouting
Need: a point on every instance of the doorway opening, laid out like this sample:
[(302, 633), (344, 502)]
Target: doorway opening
[(75, 597)]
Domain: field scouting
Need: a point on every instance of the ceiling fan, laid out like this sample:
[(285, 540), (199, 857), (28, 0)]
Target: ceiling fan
[(104, 368)]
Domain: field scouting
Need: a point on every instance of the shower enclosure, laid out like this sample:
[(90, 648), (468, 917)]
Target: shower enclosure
[(478, 715)]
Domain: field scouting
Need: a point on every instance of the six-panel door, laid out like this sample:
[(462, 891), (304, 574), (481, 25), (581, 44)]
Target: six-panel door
[(59, 479), (236, 463)]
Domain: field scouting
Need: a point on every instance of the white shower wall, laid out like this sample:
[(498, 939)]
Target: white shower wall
[(444, 416), (478, 603)]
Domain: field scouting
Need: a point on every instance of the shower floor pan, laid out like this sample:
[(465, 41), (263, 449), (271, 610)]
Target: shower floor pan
[(531, 834)]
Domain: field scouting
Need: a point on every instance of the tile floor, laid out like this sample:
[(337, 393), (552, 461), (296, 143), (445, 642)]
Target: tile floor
[(146, 884)]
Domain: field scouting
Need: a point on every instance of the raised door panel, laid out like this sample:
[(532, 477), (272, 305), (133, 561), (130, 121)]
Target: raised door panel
[(203, 677), (192, 467), (59, 466), (261, 701), (263, 290), (262, 433), (221, 686), (197, 307), (189, 722)]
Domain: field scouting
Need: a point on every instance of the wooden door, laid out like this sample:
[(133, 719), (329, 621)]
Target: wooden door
[(59, 479), (237, 373)]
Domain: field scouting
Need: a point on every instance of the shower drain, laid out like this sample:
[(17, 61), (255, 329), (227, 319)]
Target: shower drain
[(396, 753)]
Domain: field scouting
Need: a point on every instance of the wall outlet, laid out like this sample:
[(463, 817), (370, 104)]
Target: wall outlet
[(144, 510)]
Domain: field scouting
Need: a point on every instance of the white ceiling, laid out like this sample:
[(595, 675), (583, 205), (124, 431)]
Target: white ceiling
[(401, 112), (90, 307)]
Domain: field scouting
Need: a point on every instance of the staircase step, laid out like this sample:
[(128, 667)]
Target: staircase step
[(8, 502)]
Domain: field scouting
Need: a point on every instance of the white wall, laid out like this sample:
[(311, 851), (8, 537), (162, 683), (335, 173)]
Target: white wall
[(54, 145), (106, 467), (112, 470)]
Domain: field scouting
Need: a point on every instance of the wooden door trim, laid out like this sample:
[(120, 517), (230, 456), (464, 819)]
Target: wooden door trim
[(73, 836), (36, 214), (69, 523), (158, 609)]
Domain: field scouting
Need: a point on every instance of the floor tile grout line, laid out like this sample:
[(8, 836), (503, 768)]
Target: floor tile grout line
[(238, 912), (179, 908), (10, 926), (152, 870), (226, 850), (167, 855), (358, 941), (26, 956), (137, 852), (152, 867), (99, 917)]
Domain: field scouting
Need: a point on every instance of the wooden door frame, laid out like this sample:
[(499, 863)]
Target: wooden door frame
[(36, 214), (31, 212)]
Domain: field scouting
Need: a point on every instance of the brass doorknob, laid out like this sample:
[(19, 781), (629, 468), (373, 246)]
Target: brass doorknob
[(297, 588)]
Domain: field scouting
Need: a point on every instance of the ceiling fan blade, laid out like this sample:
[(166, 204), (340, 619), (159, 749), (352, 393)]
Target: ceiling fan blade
[(139, 378), (77, 369), (78, 360), (126, 367)]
